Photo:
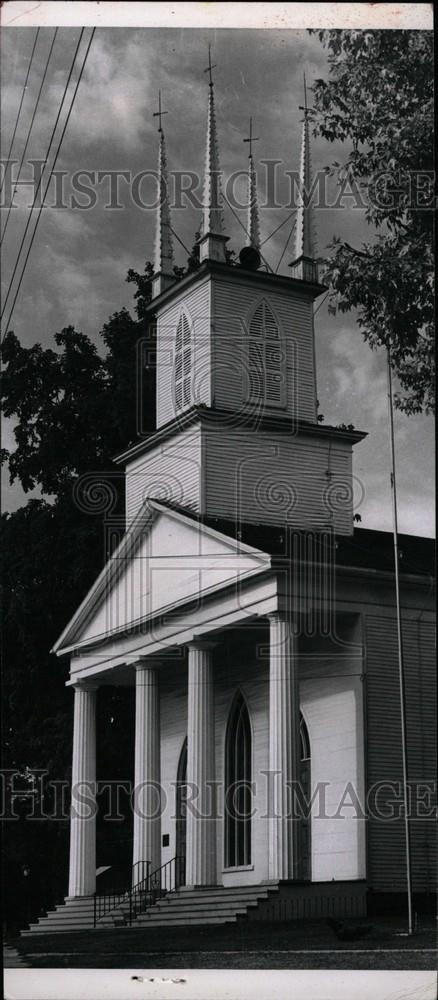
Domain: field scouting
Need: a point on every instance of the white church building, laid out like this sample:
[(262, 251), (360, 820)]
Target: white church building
[(255, 621)]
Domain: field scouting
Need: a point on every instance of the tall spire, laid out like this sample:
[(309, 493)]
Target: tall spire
[(304, 265), (163, 255), (253, 228), (213, 239)]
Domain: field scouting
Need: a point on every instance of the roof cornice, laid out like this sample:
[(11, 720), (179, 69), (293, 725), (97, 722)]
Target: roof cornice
[(218, 270), (223, 419)]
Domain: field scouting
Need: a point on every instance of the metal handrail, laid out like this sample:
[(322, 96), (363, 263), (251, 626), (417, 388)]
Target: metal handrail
[(167, 878)]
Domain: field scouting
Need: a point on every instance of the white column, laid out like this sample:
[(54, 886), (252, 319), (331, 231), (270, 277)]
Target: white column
[(284, 746), (201, 826), (82, 878), (146, 799)]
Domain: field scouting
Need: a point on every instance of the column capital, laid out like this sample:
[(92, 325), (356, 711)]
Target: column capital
[(201, 643), (85, 685), (282, 618), (145, 663)]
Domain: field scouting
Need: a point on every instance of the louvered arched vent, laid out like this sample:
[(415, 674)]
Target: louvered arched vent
[(183, 364), (238, 786), (265, 358)]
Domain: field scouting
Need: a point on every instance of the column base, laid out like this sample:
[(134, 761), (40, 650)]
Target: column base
[(190, 888), (70, 899)]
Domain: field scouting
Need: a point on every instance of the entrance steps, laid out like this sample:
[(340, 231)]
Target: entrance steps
[(72, 915), (215, 905), (266, 901)]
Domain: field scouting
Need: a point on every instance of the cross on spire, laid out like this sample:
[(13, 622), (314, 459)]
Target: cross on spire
[(251, 138), (210, 66), (158, 114), (304, 107)]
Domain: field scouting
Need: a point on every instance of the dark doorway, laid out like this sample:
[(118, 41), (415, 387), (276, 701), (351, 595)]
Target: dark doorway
[(237, 786), (181, 807), (304, 855)]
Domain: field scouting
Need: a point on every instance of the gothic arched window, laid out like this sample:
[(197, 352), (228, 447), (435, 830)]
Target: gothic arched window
[(237, 786), (183, 364), (265, 358), (304, 867)]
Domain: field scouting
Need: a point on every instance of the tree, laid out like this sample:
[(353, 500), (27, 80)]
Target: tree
[(378, 100), (75, 408)]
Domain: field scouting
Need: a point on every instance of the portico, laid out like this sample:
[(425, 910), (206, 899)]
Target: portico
[(188, 666)]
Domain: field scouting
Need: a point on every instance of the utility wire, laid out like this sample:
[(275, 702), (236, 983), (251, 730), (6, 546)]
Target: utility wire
[(21, 105), (41, 173), (179, 240), (278, 227), (50, 175), (246, 231), (286, 246), (321, 303), (29, 134)]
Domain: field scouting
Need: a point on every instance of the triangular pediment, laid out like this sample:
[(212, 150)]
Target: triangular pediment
[(165, 560)]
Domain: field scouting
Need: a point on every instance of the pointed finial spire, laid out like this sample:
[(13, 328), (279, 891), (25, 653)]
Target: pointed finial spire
[(253, 228), (304, 264), (163, 256), (212, 242)]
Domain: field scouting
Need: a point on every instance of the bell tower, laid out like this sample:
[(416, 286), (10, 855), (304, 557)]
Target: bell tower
[(237, 431)]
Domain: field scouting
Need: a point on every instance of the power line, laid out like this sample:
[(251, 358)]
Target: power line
[(50, 175), (285, 246), (278, 227), (246, 231), (176, 235), (321, 303), (41, 173), (29, 134), (21, 105), (401, 672)]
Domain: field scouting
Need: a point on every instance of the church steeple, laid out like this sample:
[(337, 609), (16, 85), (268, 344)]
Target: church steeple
[(213, 239), (304, 265), (253, 228), (163, 254)]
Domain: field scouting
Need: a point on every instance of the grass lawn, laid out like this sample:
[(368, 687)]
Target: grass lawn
[(298, 944)]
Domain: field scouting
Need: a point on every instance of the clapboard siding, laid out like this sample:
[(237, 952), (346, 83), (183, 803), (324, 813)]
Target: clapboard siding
[(196, 304), (253, 682), (332, 708), (171, 471), (233, 305), (384, 763), (273, 478), (332, 705), (251, 677)]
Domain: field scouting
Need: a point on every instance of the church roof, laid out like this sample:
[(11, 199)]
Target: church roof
[(367, 548)]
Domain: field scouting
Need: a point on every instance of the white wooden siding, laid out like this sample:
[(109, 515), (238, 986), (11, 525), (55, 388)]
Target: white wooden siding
[(195, 302), (172, 471), (387, 839), (271, 478), (332, 708), (233, 305)]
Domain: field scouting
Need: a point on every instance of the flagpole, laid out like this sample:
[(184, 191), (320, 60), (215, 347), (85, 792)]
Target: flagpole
[(400, 650)]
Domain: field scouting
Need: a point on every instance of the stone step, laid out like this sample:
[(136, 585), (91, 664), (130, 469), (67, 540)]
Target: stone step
[(178, 906), (225, 918), (214, 904), (189, 911), (206, 896)]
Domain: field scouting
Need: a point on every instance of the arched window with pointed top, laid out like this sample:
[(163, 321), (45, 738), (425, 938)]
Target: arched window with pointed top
[(238, 800), (266, 359), (304, 830), (181, 805), (183, 364)]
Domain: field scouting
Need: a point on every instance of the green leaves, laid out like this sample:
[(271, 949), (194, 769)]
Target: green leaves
[(378, 101)]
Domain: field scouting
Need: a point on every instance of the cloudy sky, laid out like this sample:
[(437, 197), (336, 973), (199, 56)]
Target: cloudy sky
[(76, 272)]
